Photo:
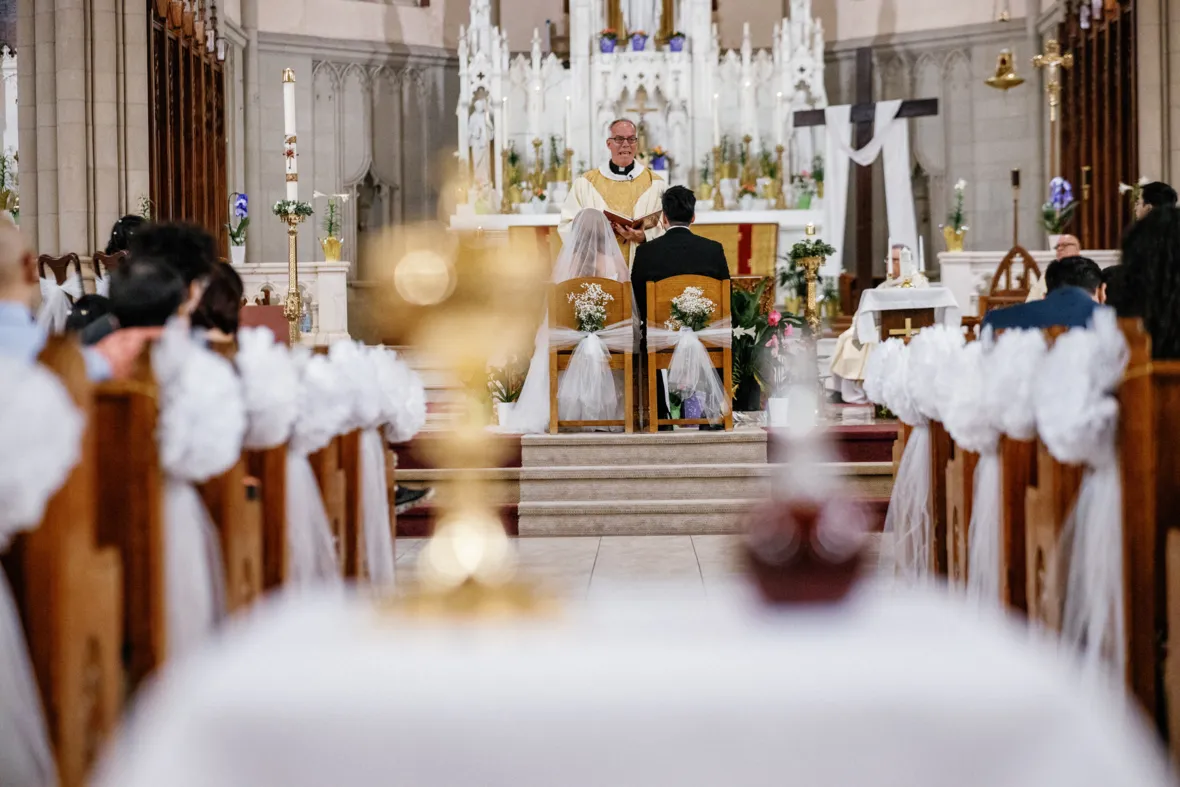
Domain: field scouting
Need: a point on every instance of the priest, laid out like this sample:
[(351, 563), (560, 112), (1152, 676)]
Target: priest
[(850, 357), (624, 186)]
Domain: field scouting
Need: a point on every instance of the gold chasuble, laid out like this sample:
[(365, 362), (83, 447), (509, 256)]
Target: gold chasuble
[(637, 194)]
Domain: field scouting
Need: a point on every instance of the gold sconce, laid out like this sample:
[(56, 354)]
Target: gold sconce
[(1087, 175), (1005, 77)]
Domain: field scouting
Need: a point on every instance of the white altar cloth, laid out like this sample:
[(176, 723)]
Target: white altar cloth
[(873, 302), (909, 690), (325, 282)]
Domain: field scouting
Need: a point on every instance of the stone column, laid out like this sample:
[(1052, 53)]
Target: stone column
[(83, 96), (252, 144)]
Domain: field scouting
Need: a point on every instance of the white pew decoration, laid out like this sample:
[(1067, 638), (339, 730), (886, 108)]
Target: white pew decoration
[(40, 443), (1077, 420), (270, 388), (323, 409), (587, 389), (691, 372), (201, 424), (56, 302), (357, 369), (102, 285), (969, 422)]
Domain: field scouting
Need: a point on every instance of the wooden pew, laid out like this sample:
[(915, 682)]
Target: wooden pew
[(130, 500), (1017, 473), (269, 468), (337, 468), (940, 455), (70, 593), (1165, 379), (960, 487), (234, 503)]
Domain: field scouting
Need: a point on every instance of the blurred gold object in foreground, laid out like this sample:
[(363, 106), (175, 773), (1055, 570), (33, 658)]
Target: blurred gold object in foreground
[(460, 301)]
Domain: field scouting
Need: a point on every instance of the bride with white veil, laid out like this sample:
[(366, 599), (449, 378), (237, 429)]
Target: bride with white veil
[(590, 250)]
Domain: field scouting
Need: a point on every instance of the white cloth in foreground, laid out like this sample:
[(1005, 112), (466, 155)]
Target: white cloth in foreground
[(40, 442), (589, 251), (56, 302), (890, 690)]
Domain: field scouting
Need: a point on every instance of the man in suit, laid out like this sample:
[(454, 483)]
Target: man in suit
[(1074, 290), (679, 252)]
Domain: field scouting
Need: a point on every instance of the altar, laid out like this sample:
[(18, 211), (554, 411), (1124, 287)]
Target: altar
[(323, 288), (753, 240)]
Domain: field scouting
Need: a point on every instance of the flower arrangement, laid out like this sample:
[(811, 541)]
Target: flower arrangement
[(957, 218), (332, 216), (659, 158), (539, 193), (610, 34), (804, 182), (768, 164), (145, 206), (1057, 213), (1135, 190), (506, 381), (805, 249), (590, 307), (9, 199), (707, 169), (748, 190), (291, 207), (772, 373), (239, 205), (691, 309)]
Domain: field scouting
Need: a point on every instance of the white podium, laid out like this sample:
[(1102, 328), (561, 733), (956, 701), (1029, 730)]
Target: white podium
[(324, 286)]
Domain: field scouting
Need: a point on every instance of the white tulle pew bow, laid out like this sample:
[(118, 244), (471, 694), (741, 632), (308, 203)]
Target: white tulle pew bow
[(56, 302), (691, 370), (587, 390)]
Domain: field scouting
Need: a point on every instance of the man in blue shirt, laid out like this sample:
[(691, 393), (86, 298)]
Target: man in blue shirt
[(1074, 291), (21, 337)]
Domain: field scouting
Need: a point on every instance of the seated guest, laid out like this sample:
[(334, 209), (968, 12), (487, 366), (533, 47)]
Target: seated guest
[(1114, 288), (189, 250), (850, 356), (146, 292), (679, 252), (21, 337), (1151, 256), (1067, 246), (1152, 196), (221, 305), (121, 233), (86, 310), (1074, 285)]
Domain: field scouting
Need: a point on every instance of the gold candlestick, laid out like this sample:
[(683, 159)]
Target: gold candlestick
[(748, 168), (1054, 63), (538, 166), (505, 195), (569, 165), (811, 266), (781, 202), (718, 199), (293, 307)]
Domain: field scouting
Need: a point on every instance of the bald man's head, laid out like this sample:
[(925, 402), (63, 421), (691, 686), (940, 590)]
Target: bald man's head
[(18, 268)]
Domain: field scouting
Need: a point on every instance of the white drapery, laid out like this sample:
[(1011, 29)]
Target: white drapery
[(892, 140)]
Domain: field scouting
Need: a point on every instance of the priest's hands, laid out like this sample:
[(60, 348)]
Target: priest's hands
[(628, 234)]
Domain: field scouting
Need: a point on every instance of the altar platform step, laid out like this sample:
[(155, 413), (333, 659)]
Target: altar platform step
[(684, 447)]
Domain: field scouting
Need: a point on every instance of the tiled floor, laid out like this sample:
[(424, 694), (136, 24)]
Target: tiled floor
[(615, 564)]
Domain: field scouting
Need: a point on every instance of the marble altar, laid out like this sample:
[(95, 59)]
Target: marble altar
[(323, 285)]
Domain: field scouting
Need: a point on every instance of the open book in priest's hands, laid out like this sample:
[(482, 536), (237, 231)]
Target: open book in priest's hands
[(643, 223)]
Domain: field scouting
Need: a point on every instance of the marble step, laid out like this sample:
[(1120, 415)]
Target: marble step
[(632, 518), (663, 448), (735, 481)]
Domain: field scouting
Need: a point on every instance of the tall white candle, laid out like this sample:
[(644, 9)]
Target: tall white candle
[(716, 122), (289, 148), (778, 119), (568, 125), (921, 254)]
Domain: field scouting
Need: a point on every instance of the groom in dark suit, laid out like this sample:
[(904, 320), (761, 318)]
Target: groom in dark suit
[(678, 252)]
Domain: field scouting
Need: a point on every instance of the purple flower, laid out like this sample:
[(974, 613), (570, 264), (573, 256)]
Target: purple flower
[(1060, 194), (240, 205)]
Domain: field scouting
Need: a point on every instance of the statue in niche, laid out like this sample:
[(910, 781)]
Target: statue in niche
[(479, 139), (642, 15), (374, 212)]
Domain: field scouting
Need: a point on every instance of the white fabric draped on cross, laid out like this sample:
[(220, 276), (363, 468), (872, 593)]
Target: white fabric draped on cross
[(691, 372), (891, 136), (56, 302), (40, 443), (201, 425), (1077, 420), (587, 390)]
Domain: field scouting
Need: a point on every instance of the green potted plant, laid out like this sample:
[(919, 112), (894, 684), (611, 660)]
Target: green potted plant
[(239, 206)]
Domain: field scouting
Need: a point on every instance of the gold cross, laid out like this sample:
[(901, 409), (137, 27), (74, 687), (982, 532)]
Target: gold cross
[(908, 331), (642, 109), (1054, 63)]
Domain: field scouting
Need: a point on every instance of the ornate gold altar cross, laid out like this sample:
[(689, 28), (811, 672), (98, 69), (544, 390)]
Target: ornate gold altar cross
[(1053, 62), (907, 332)]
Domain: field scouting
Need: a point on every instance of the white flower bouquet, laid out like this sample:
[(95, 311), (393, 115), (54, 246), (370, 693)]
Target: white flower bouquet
[(590, 307), (692, 309)]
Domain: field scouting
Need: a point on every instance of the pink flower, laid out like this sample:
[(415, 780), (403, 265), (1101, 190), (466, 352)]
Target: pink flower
[(773, 341), (773, 318), (790, 330)]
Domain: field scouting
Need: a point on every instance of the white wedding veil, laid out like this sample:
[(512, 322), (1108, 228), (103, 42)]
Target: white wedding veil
[(590, 250)]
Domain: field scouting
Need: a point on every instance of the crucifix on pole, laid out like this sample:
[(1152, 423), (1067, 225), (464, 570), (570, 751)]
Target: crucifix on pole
[(863, 121)]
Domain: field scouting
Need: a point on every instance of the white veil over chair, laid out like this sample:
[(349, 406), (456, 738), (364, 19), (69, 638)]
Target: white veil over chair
[(590, 250)]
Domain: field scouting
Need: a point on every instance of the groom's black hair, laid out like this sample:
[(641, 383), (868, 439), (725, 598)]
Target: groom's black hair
[(680, 205)]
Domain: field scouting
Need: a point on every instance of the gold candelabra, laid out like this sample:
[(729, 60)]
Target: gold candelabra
[(293, 307), (811, 266), (718, 199), (569, 166), (748, 167), (505, 190), (538, 166)]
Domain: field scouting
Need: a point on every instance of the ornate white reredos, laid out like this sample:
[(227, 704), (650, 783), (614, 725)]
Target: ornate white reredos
[(510, 102)]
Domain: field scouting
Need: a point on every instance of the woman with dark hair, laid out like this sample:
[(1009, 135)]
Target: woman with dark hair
[(86, 310), (1151, 256), (122, 231), (145, 293), (220, 306)]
